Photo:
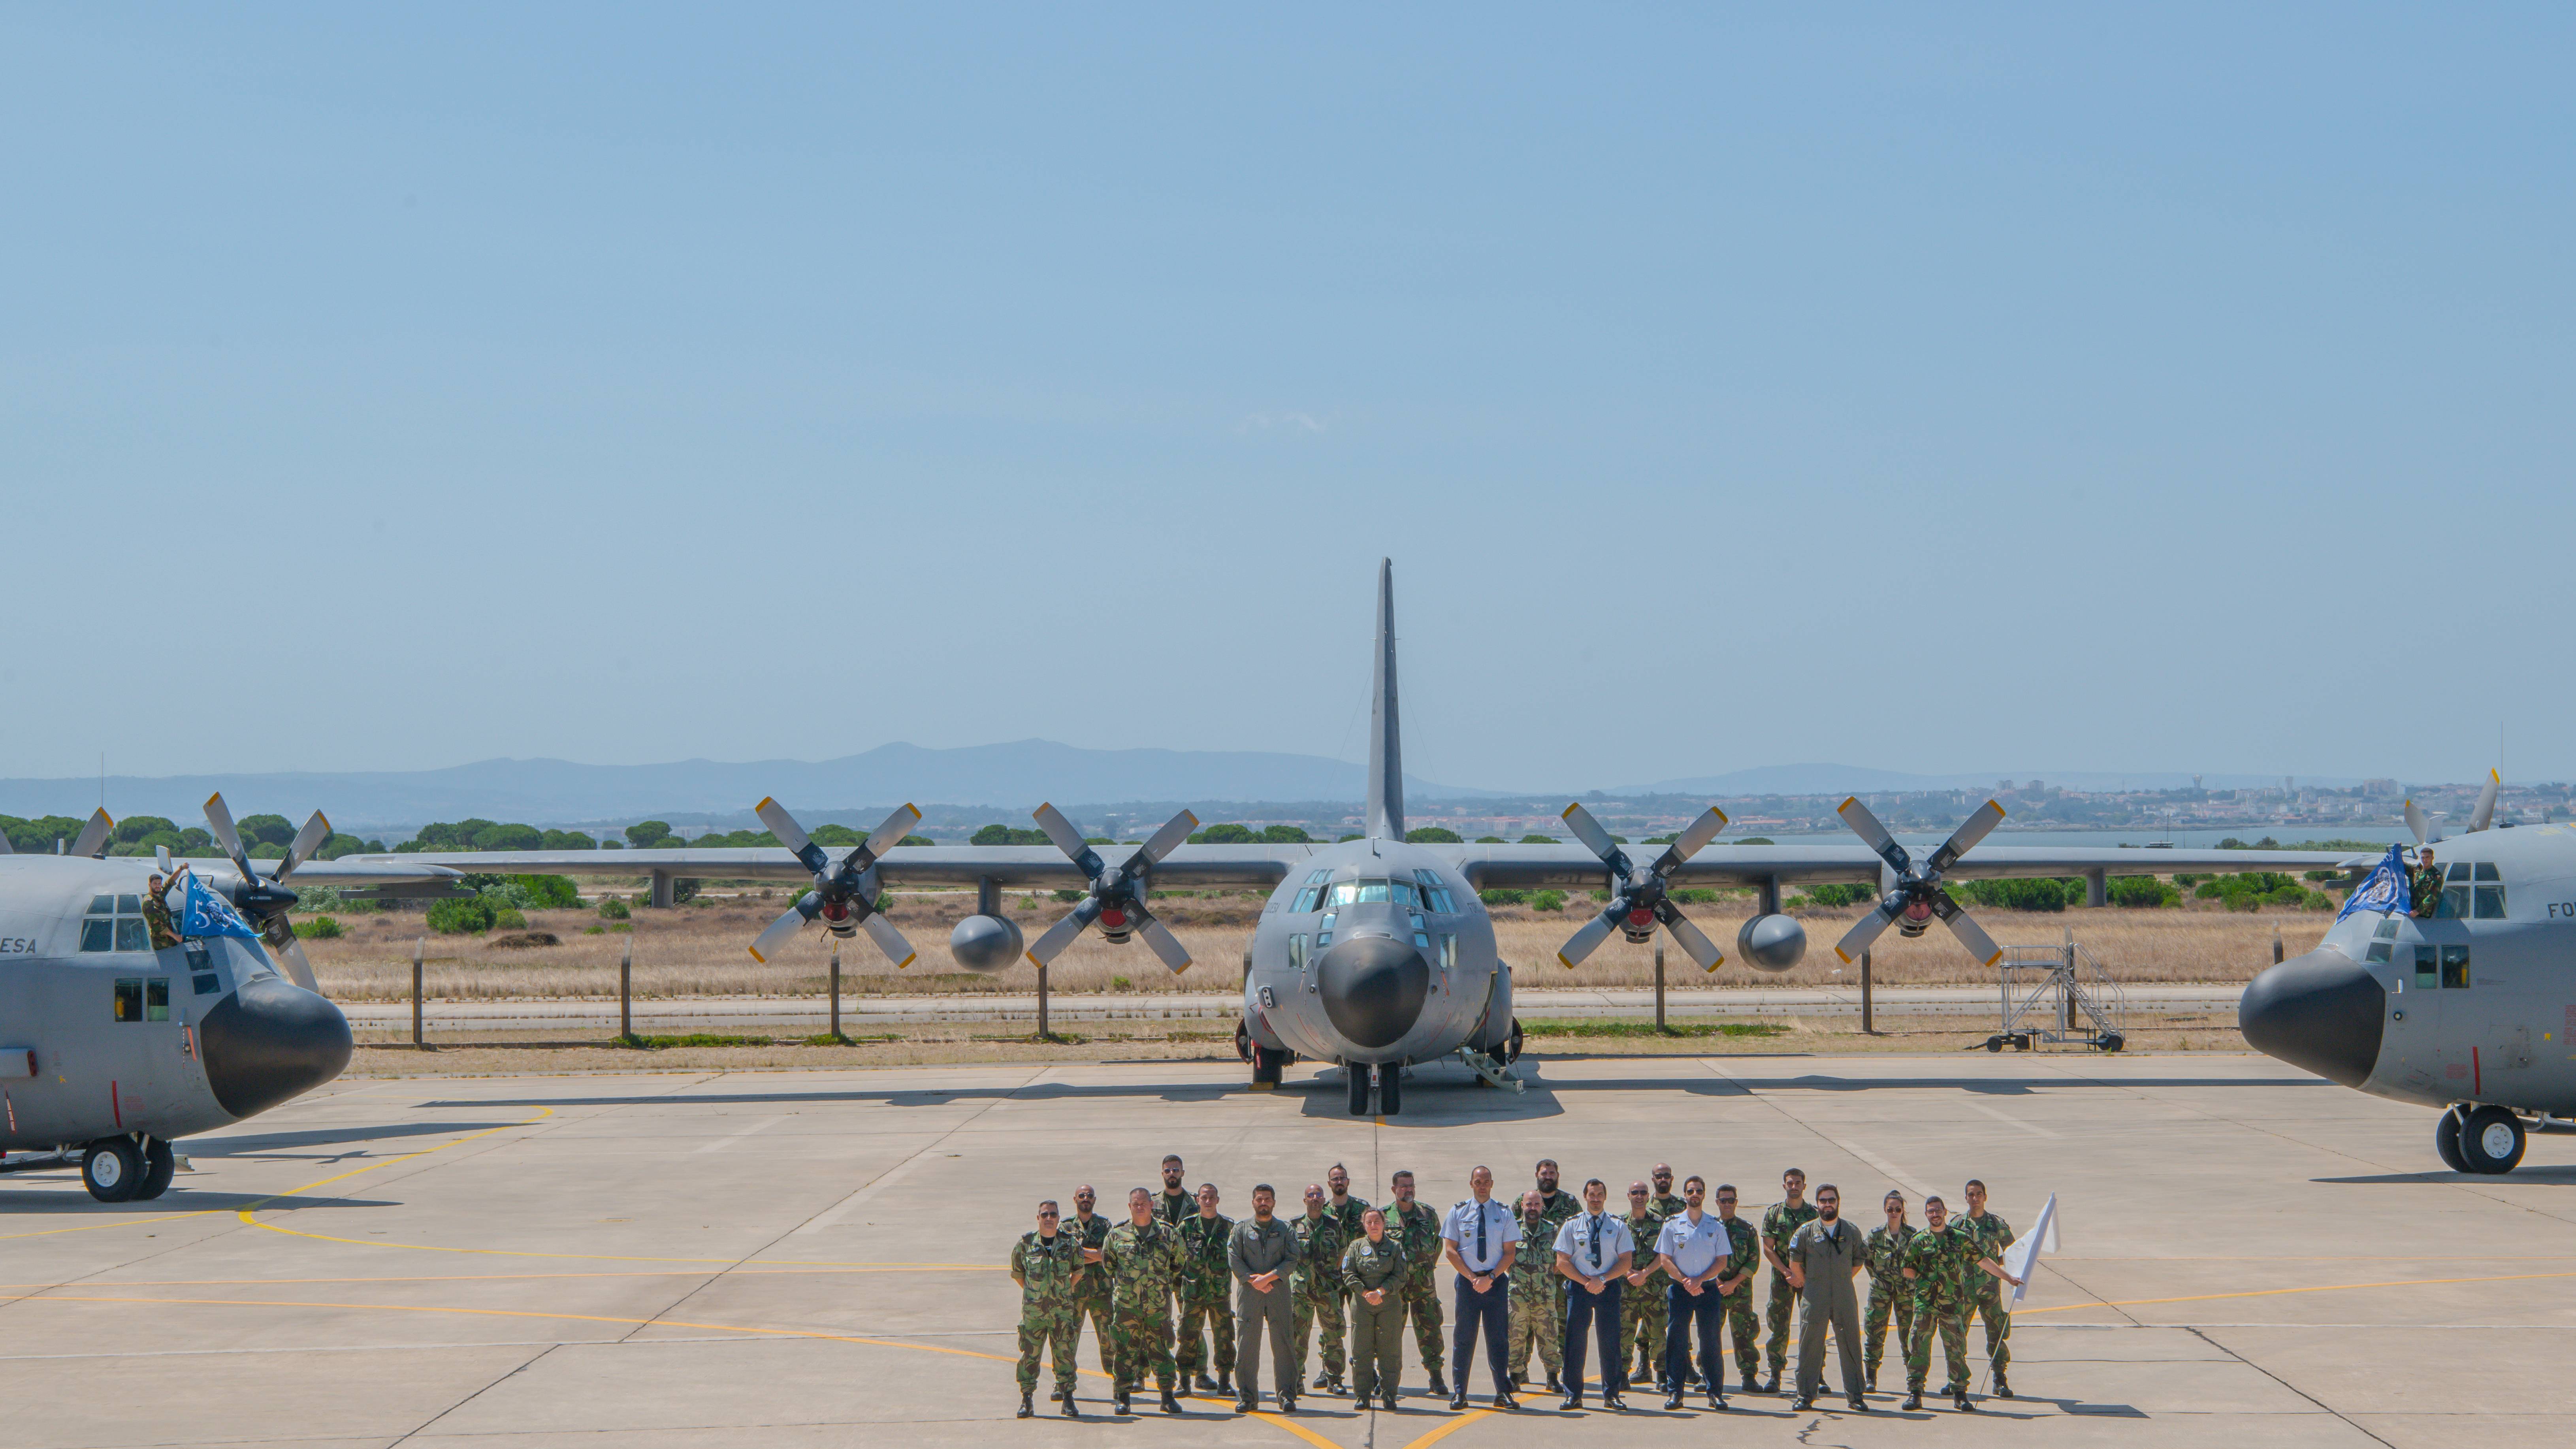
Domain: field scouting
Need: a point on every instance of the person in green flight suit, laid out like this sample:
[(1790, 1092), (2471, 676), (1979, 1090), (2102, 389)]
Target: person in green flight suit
[(1047, 1264), (1889, 1295), (1780, 1223), (1374, 1268), (1143, 1255)]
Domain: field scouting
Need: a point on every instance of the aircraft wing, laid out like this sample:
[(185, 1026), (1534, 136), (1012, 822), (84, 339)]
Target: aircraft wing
[(348, 870), (1205, 867), (1828, 861)]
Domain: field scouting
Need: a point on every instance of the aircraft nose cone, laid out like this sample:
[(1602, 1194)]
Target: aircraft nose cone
[(2320, 1011), (269, 1041), (1373, 988)]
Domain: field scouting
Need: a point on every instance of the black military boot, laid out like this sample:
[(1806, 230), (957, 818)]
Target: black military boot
[(1027, 1409), (1201, 1382), (1771, 1385), (1224, 1381), (1966, 1404), (1439, 1385), (1171, 1402), (1066, 1398), (1672, 1398), (1118, 1402), (1748, 1383), (1555, 1385), (2002, 1390), (1322, 1382), (1913, 1400)]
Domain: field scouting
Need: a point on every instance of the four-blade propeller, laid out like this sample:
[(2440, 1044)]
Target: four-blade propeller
[(1639, 901), (1916, 896), (844, 897), (1117, 900), (266, 900)]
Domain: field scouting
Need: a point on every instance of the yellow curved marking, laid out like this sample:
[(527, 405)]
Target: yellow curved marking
[(2280, 1292), (1274, 1420), (244, 1213), (1452, 1427)]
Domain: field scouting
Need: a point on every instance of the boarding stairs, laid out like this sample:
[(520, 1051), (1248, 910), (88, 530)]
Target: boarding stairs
[(2059, 994)]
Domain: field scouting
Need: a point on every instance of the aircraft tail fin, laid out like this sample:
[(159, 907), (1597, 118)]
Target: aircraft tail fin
[(1385, 803)]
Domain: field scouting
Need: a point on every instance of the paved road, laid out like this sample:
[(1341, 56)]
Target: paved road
[(726, 1013)]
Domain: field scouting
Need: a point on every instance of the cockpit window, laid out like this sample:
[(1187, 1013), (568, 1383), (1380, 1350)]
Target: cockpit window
[(1435, 896), (115, 923), (1372, 893)]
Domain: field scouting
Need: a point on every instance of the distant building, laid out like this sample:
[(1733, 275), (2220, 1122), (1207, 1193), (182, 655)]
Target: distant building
[(2382, 789)]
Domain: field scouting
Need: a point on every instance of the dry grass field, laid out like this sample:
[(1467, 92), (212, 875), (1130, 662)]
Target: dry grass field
[(698, 949)]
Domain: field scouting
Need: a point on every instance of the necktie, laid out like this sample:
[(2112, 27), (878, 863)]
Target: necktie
[(1596, 1242), (1480, 1234)]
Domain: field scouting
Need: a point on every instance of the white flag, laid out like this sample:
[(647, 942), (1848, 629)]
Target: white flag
[(2023, 1255)]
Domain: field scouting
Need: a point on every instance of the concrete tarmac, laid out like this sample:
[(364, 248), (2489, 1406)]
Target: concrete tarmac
[(2249, 1255)]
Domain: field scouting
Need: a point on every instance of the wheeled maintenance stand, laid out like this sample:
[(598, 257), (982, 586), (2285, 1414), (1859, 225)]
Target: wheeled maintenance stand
[(2059, 993)]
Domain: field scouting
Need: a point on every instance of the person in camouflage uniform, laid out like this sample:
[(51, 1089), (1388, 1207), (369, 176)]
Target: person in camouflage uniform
[(1557, 1207), (1742, 1324), (1091, 1296), (1143, 1256), (1535, 1319), (2425, 885), (1665, 1202), (1985, 1298), (1176, 1202), (1889, 1295), (1780, 1223), (1642, 1316), (1047, 1264), (1316, 1296), (1419, 1229), (1203, 1289), (1939, 1264)]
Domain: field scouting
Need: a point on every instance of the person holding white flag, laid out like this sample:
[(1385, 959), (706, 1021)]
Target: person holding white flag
[(1985, 1298)]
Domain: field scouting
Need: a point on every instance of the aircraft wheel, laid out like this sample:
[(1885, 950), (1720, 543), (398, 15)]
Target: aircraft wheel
[(1390, 1088), (160, 1164), (2446, 1139), (1358, 1073), (112, 1169), (1268, 1066), (2491, 1140), (1512, 1044)]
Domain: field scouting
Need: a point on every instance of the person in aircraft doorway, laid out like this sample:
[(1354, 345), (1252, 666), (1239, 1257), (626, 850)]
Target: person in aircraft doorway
[(156, 906), (2427, 883)]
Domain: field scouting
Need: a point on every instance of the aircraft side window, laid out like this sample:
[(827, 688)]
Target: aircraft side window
[(1297, 951), (129, 998), (1448, 953), (2379, 951), (156, 999), (1434, 894), (2455, 967), (2428, 971), (2454, 905), (1305, 900), (1369, 892), (2489, 892), (115, 923), (1404, 894), (1324, 935), (1421, 937), (2387, 928)]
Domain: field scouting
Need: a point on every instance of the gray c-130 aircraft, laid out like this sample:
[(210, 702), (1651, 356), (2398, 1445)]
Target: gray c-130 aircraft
[(110, 1047), (1374, 954)]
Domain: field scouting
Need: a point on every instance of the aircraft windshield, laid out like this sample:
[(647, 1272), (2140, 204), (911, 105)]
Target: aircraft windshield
[(1374, 893)]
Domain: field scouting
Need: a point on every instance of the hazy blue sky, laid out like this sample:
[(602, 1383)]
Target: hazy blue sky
[(1932, 388)]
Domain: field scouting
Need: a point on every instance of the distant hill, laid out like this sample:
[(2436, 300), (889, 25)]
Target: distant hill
[(1860, 779), (1013, 776)]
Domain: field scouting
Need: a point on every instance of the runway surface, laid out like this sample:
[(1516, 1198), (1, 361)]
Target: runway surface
[(785, 1258)]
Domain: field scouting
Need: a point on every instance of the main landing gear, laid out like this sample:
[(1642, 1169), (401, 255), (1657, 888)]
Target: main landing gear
[(125, 1169), (1389, 1080), (2479, 1139)]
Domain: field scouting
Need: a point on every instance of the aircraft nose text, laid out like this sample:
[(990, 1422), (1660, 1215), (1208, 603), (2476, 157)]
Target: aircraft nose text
[(1373, 988), (2320, 1011), (269, 1041)]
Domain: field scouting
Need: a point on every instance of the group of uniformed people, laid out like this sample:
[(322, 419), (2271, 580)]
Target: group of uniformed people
[(1558, 1275)]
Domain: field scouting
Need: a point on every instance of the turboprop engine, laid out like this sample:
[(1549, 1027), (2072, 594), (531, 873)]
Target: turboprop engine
[(1772, 943)]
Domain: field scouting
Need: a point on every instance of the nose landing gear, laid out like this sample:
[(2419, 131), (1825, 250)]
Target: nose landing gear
[(2479, 1139), (1388, 1077)]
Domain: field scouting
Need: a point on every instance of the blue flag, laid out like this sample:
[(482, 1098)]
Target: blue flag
[(209, 914), (2389, 888)]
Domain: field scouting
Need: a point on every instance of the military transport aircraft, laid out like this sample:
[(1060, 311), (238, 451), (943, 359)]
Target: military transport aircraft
[(2469, 1010), (1373, 954), (110, 1048)]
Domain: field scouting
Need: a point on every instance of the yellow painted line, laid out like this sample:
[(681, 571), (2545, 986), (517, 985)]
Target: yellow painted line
[(2283, 1292), (1452, 1427)]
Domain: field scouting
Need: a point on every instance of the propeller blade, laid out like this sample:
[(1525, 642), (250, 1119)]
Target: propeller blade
[(2486, 803), (1060, 935), (5, 847), (791, 835), (219, 821), (2415, 822), (887, 837), (1165, 945), (888, 939), (1965, 838), (1866, 826), (1162, 842), (1060, 830), (160, 856), (1965, 927), (290, 953), (778, 933), (1864, 931), (1588, 939), (1688, 843), (93, 836), (1589, 831), (307, 840), (1694, 941)]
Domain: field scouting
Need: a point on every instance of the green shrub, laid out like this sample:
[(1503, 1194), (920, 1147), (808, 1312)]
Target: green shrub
[(545, 893), (1226, 834), (1006, 835), (614, 909), (1755, 840), (2042, 894), (1548, 901), (320, 928), (1491, 840), (1120, 983), (646, 834), (1839, 895), (2142, 891), (1503, 898), (594, 930), (1433, 835), (1694, 896), (510, 918), (468, 916), (1285, 835), (1070, 896), (2316, 901), (1538, 840)]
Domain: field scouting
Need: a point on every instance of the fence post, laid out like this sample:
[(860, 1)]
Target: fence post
[(626, 991), (417, 1040), (2276, 943), (2067, 996), (1868, 1016), (1659, 984), (1044, 1032), (836, 989)]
